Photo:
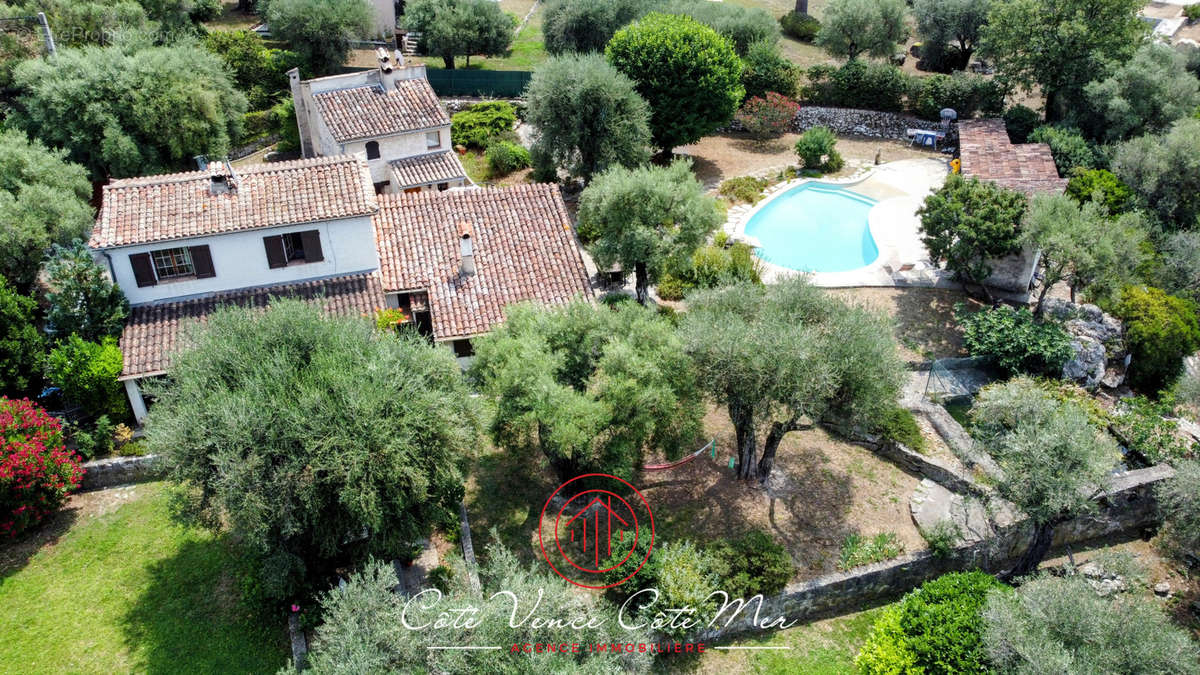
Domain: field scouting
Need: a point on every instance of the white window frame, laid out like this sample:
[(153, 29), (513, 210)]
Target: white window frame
[(172, 263), (435, 136)]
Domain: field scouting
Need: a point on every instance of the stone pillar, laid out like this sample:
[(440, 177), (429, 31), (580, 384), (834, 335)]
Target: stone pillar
[(134, 392)]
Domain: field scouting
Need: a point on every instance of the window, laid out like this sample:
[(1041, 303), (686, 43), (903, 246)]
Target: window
[(442, 187), (463, 348), (293, 248), (372, 149), (433, 139), (172, 263)]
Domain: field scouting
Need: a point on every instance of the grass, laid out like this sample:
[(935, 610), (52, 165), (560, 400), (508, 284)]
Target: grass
[(124, 589), (528, 52), (819, 648), (858, 550)]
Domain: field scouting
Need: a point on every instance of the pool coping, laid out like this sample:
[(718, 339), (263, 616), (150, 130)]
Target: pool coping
[(851, 277)]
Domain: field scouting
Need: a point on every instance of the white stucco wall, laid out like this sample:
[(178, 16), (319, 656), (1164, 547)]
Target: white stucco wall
[(240, 260), (392, 148)]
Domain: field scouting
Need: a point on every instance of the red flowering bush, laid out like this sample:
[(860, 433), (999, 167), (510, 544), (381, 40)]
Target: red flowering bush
[(36, 471), (767, 117)]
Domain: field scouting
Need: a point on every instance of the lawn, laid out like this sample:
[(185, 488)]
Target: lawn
[(112, 585), (819, 648)]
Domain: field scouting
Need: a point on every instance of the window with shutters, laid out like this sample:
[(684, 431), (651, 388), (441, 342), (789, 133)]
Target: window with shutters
[(172, 263), (372, 149), (293, 248)]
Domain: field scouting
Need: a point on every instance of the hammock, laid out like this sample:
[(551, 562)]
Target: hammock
[(711, 445)]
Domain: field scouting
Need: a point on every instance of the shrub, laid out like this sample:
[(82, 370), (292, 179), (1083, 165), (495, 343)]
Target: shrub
[(941, 538), (815, 148), (858, 550), (1115, 196), (1192, 12), (1142, 425), (899, 425), (752, 564), (746, 189), (389, 319), (966, 93), (874, 86), (504, 157), (764, 70), (1160, 330), (1015, 341), (21, 343), (767, 117), (672, 288), (800, 26), (1179, 501), (95, 440), (936, 628), (718, 264), (1068, 146), (285, 120), (36, 471), (1020, 121), (87, 373), (475, 126), (684, 574), (742, 26)]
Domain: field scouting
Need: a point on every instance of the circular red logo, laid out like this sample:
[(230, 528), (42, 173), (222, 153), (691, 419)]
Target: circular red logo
[(596, 531)]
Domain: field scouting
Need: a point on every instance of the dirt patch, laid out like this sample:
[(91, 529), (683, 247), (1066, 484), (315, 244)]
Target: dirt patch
[(925, 325), (822, 489), (728, 155)]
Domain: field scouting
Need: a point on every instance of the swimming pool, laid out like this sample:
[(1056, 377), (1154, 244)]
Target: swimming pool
[(815, 227)]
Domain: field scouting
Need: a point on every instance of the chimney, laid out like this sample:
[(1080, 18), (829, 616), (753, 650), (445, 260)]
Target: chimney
[(223, 179), (467, 268), (387, 70), (201, 162)]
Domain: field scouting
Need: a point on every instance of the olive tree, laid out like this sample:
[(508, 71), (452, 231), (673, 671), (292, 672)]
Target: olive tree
[(851, 28), (452, 28), (586, 116), (969, 222), (315, 440), (643, 218), (1081, 246), (1055, 462), (572, 26), (1143, 95), (949, 30), (320, 30), (688, 74), (1179, 496), (364, 624), (1164, 172), (590, 388), (785, 357), (1062, 625), (1180, 270)]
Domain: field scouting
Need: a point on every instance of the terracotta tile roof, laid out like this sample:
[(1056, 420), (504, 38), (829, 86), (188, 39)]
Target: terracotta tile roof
[(370, 112), (435, 167), (523, 248), (152, 331), (181, 205), (987, 154)]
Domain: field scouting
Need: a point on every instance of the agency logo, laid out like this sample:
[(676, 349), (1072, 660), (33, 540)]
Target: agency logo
[(596, 531)]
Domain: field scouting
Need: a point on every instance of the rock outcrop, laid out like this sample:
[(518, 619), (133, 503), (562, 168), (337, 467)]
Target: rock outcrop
[(1098, 340)]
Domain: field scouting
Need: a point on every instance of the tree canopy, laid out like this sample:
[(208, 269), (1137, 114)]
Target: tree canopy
[(785, 357), (969, 222), (1059, 45), (130, 113), (1062, 625), (1164, 171), (1143, 95), (591, 388), (851, 28), (949, 30), (21, 345), (572, 26), (315, 440), (1054, 460), (43, 201), (82, 299), (1082, 246), (451, 28), (642, 218), (686, 72), (363, 629), (587, 116), (1179, 500), (320, 30)]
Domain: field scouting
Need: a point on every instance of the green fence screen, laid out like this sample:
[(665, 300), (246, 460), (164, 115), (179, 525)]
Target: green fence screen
[(481, 83)]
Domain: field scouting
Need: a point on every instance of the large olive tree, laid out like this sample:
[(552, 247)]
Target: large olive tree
[(315, 440), (785, 357)]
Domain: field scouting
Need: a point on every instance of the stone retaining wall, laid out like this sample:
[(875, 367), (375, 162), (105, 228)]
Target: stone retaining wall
[(106, 473), (870, 123), (910, 460), (1128, 508)]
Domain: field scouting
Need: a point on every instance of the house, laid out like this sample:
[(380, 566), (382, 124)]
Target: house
[(987, 154), (389, 116), (182, 245)]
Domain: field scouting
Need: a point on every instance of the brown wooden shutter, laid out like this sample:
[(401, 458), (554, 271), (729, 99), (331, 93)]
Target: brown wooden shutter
[(202, 261), (312, 245), (275, 255), (143, 270)]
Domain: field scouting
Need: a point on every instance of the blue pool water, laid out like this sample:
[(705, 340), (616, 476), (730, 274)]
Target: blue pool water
[(815, 228)]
